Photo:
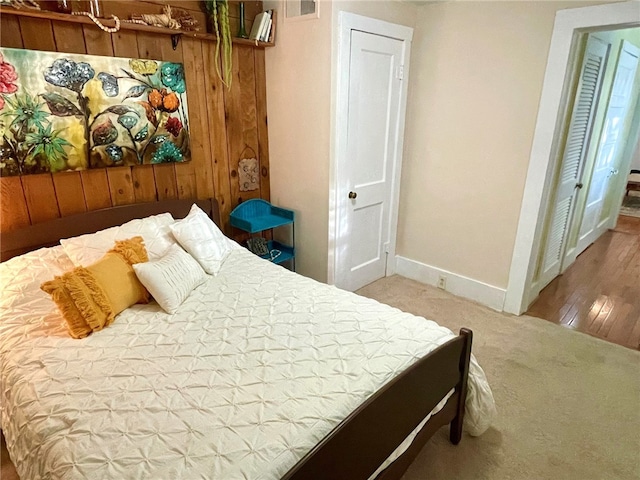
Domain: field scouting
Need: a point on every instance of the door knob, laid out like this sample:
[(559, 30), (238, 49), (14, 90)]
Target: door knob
[(352, 195), (579, 185)]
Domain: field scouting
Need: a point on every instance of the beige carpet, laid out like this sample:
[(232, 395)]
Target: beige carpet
[(568, 404)]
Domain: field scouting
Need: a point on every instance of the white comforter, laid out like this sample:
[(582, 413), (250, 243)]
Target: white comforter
[(258, 365)]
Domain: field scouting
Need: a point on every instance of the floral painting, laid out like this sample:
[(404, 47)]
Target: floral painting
[(63, 112)]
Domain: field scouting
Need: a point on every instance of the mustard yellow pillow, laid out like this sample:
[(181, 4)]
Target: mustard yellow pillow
[(81, 300), (90, 297)]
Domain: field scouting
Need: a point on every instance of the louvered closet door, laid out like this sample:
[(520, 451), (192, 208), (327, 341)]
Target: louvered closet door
[(575, 151)]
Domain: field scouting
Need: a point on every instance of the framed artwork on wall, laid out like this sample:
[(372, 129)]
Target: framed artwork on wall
[(65, 112)]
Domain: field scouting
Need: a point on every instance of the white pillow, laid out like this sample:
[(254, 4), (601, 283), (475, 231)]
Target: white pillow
[(172, 278), (87, 249), (202, 238)]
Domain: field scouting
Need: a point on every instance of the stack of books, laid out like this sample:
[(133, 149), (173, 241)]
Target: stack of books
[(262, 26)]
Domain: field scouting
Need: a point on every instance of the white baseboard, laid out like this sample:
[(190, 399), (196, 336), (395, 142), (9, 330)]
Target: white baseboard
[(488, 295)]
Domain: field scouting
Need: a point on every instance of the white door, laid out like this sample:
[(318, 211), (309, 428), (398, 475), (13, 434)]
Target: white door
[(575, 150), (611, 144), (371, 158)]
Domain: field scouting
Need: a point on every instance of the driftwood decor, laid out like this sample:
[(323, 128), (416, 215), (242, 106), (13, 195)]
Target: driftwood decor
[(63, 112), (174, 18)]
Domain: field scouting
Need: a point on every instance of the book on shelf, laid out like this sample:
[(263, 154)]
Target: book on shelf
[(271, 28), (267, 31), (260, 25)]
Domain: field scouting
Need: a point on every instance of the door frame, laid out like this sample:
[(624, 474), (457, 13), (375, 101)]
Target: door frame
[(543, 158), (347, 22)]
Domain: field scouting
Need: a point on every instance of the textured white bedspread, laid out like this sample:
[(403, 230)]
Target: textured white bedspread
[(258, 365)]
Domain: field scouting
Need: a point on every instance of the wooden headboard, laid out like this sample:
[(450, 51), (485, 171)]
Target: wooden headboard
[(49, 233)]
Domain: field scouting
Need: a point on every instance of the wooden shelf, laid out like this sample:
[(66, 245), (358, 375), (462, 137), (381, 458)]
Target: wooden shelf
[(253, 43), (81, 19)]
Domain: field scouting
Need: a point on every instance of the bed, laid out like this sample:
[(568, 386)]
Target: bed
[(261, 373)]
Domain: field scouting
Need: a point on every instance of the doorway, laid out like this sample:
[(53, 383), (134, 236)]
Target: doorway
[(371, 92), (582, 207), (544, 153), (569, 176), (611, 158)]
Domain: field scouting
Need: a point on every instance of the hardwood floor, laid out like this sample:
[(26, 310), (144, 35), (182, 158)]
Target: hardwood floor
[(600, 293)]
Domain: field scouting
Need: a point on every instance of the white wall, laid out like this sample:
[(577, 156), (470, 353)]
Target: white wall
[(477, 73), (400, 12), (298, 105)]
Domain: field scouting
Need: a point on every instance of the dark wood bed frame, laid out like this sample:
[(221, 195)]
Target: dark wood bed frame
[(355, 448)]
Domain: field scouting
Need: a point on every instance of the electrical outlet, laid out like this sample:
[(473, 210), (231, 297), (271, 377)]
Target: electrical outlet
[(442, 282)]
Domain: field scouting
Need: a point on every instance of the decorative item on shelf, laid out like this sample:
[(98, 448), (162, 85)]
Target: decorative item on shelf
[(242, 33), (186, 20), (21, 4), (64, 6), (173, 18), (218, 11), (95, 8), (157, 19), (258, 245), (67, 112), (99, 24), (94, 13)]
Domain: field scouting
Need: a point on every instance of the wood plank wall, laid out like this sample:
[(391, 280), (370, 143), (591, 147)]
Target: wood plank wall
[(226, 125)]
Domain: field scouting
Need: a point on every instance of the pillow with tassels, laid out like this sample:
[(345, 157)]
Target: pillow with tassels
[(90, 297)]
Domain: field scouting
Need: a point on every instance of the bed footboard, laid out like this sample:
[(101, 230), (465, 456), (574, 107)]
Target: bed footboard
[(360, 443)]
